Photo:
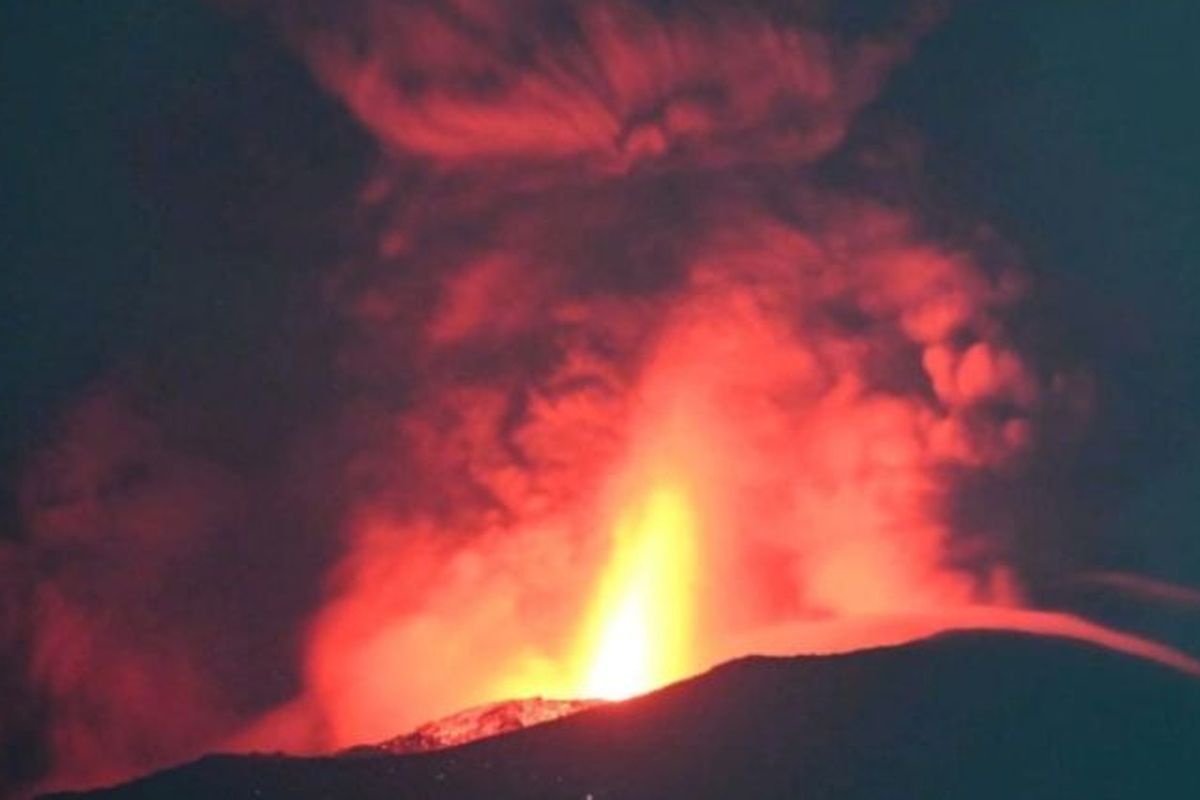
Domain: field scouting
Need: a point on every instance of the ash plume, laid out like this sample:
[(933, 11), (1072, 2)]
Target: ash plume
[(617, 248), (605, 246)]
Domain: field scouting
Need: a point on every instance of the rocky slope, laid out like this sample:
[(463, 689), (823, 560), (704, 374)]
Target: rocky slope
[(969, 715), (481, 722)]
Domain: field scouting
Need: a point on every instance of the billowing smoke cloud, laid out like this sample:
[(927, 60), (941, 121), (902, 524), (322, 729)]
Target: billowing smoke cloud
[(815, 375), (610, 258), (148, 608), (611, 247), (115, 518), (604, 83)]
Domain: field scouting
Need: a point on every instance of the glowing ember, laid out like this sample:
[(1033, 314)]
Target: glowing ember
[(641, 630)]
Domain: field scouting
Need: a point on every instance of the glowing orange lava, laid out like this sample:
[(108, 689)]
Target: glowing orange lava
[(640, 628)]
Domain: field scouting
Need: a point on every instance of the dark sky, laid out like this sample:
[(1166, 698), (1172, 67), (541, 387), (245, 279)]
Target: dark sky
[(167, 168), (1067, 124)]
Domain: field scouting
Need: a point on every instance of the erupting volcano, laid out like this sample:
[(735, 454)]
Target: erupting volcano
[(646, 346)]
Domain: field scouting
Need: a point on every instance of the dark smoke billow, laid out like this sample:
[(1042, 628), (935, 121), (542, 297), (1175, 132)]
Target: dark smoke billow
[(606, 247)]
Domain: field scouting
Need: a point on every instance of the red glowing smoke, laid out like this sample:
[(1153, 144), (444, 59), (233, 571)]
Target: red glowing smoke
[(606, 253), (612, 246), (117, 518)]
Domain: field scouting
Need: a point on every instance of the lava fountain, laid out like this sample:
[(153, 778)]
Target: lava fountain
[(639, 634)]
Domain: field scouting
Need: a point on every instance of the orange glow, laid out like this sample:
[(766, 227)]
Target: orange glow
[(640, 632), (666, 401)]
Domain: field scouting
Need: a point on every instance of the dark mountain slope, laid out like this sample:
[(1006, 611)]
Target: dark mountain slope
[(970, 715)]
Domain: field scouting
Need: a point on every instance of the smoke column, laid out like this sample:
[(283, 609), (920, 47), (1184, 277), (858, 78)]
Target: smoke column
[(617, 246), (606, 247)]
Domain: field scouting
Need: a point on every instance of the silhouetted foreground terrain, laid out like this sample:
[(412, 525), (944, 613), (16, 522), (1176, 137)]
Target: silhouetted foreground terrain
[(963, 716)]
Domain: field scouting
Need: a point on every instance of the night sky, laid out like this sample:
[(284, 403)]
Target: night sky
[(176, 184)]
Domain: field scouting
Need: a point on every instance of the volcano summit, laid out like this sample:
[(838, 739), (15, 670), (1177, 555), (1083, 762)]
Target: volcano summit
[(968, 715)]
